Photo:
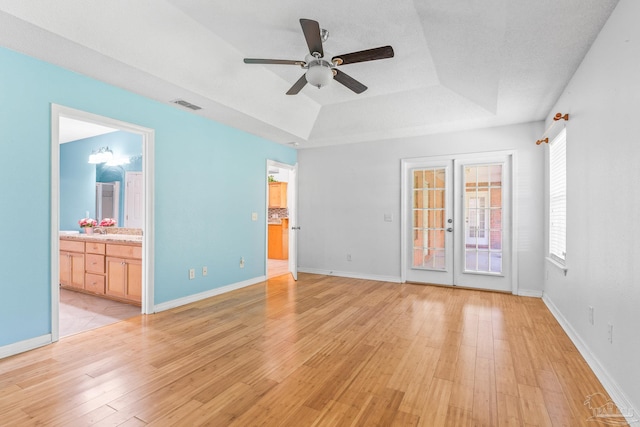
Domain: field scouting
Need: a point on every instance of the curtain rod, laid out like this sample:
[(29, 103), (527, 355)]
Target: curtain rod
[(558, 116)]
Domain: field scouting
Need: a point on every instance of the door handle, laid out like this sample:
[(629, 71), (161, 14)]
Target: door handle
[(450, 229), (295, 228)]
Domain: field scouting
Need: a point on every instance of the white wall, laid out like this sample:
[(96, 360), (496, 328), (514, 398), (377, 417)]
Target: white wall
[(603, 203), (346, 190)]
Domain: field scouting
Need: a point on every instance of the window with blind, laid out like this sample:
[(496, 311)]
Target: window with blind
[(558, 198)]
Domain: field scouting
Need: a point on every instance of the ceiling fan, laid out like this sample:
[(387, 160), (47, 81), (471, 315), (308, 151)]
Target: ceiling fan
[(319, 70)]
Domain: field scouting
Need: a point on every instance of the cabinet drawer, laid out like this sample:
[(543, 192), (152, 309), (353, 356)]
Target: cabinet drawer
[(94, 263), (124, 251), (95, 248), (94, 283), (71, 246)]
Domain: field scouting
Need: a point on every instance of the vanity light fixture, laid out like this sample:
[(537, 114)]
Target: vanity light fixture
[(102, 155)]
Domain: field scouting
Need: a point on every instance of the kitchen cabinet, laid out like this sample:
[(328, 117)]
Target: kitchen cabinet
[(278, 245), (72, 264), (124, 272), (277, 194)]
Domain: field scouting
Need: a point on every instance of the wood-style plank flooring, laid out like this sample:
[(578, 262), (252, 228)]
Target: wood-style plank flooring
[(323, 351)]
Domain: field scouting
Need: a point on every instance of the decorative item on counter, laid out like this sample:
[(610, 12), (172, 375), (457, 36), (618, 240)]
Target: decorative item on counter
[(107, 222), (87, 224)]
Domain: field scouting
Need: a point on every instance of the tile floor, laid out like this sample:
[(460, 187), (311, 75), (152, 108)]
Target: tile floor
[(81, 312), (277, 267)]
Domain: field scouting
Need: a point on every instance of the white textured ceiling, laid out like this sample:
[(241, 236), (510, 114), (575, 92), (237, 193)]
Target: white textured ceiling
[(459, 64)]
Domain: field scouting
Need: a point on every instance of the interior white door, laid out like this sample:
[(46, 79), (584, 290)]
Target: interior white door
[(133, 200), (457, 221), (292, 200)]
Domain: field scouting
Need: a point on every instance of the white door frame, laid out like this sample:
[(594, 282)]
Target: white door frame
[(148, 164), (292, 202), (406, 164)]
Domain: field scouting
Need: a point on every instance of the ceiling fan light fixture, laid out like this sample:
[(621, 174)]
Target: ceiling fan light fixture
[(319, 74)]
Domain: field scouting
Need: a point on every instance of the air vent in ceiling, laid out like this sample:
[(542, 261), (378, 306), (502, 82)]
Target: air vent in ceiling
[(186, 104)]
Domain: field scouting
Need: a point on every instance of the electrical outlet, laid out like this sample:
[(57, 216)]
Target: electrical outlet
[(590, 314), (204, 271), (610, 333), (348, 257), (241, 262), (192, 273)]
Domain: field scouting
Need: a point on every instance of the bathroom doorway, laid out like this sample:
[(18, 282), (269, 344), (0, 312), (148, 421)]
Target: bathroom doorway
[(88, 204)]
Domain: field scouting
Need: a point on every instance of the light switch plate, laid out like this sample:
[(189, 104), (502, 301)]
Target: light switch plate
[(254, 216)]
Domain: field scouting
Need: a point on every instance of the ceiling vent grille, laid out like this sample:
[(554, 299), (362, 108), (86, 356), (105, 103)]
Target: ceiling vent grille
[(186, 104)]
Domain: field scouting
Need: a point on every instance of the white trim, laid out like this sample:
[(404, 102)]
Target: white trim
[(609, 384), (207, 294), (557, 264), (393, 279), (533, 293), (26, 345), (148, 166)]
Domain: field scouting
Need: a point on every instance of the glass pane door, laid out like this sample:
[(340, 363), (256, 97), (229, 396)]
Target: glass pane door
[(457, 221), (429, 219), (483, 218)]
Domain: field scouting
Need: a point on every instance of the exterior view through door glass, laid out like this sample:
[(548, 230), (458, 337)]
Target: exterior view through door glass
[(457, 221)]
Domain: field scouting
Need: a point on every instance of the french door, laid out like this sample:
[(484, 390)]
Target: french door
[(457, 221)]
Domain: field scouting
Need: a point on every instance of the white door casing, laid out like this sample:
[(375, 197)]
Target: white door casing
[(292, 206)]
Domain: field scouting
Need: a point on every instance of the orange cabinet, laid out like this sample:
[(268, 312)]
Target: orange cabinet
[(277, 194), (278, 247)]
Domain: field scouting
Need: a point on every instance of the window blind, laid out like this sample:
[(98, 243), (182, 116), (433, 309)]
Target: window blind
[(558, 197)]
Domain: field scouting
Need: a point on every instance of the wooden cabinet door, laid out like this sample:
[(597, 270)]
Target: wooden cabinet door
[(277, 194), (124, 278), (72, 269), (116, 277), (133, 288)]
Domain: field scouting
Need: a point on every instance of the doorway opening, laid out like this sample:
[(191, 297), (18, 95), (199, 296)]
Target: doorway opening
[(98, 271), (457, 221), (281, 215)]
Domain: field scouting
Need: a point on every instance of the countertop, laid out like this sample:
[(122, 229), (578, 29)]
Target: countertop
[(113, 238), (276, 221)]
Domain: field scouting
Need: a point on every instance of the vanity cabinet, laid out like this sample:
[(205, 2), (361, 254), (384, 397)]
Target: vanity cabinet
[(72, 264), (94, 278), (110, 270), (124, 272), (277, 194)]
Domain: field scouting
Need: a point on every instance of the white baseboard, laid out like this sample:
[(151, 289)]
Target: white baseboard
[(207, 294), (26, 345), (610, 385), (530, 293), (393, 279)]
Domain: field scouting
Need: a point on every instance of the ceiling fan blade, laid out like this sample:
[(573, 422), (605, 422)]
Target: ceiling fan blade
[(311, 31), (349, 81), (297, 86), (273, 61), (364, 55)]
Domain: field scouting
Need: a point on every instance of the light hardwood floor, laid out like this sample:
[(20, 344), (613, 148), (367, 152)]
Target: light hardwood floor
[(323, 351)]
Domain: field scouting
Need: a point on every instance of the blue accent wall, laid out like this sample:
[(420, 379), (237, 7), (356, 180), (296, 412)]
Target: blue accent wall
[(209, 178), (78, 178)]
